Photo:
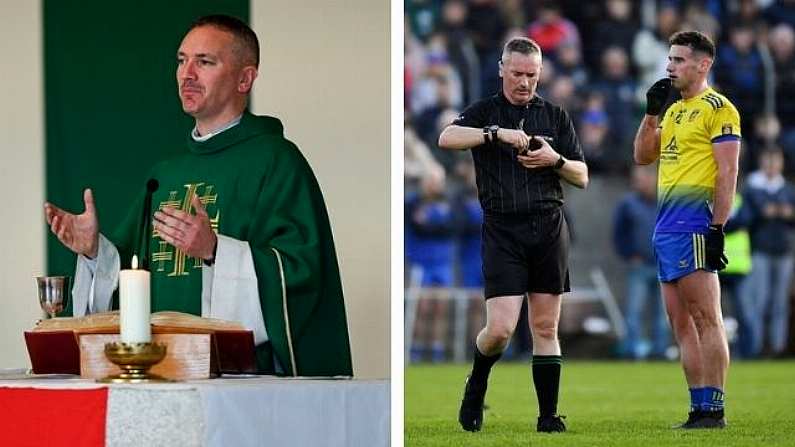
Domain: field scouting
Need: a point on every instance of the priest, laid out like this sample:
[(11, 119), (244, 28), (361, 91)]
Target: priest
[(239, 226)]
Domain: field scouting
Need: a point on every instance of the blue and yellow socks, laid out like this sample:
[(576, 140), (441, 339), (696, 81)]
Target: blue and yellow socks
[(707, 398), (712, 399), (696, 396)]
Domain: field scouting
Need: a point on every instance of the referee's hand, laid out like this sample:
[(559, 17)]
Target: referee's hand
[(516, 138), (540, 158)]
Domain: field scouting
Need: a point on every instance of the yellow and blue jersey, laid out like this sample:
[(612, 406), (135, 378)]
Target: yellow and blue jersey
[(687, 168)]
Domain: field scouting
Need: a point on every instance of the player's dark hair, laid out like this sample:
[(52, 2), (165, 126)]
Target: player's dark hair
[(245, 39), (521, 45), (694, 40)]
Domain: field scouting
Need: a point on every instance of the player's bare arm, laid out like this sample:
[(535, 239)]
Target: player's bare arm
[(647, 141), (726, 155)]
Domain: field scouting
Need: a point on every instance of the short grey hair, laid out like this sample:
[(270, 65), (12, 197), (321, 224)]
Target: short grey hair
[(521, 45)]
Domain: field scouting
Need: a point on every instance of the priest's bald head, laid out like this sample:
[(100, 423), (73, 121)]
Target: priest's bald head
[(217, 64)]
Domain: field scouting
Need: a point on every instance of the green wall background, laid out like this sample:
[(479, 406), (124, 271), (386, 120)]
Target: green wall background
[(111, 101)]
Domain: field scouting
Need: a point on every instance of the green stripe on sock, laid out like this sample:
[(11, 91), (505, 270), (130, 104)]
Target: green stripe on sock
[(547, 359)]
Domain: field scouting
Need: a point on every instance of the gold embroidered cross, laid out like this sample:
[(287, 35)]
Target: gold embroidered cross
[(169, 253)]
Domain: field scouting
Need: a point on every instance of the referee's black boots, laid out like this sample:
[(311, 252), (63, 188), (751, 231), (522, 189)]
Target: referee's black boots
[(470, 416), (551, 424)]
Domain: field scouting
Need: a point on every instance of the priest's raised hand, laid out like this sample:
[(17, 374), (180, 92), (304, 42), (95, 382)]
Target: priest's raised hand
[(190, 233), (78, 232)]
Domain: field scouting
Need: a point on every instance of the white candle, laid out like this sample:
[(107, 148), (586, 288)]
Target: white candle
[(134, 304)]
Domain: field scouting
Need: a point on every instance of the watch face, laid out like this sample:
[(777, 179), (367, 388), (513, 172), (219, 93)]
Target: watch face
[(494, 128)]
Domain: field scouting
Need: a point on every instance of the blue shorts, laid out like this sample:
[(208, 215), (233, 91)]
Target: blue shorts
[(678, 255)]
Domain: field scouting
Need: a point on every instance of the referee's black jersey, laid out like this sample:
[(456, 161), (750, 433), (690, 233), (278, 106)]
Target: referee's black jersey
[(504, 185)]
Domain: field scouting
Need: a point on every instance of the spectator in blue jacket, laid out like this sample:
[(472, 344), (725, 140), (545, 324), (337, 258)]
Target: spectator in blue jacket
[(617, 86), (771, 202), (632, 231), (430, 232)]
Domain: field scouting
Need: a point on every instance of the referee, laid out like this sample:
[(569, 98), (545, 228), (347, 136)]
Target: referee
[(522, 146)]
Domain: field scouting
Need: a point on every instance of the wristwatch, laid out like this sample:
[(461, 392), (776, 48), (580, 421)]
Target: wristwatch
[(490, 133), (559, 164), (493, 129)]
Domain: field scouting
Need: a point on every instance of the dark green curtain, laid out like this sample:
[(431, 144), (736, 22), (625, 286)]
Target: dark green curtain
[(111, 101)]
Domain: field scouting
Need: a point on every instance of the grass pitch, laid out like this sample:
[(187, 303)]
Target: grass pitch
[(606, 404)]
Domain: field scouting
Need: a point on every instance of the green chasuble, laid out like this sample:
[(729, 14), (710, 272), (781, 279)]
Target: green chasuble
[(256, 187)]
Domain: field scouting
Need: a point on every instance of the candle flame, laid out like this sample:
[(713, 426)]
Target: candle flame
[(135, 262)]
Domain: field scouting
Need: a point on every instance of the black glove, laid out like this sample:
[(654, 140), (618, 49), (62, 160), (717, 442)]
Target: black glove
[(657, 96), (713, 244)]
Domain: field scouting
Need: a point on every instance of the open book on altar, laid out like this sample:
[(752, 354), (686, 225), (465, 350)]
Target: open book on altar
[(162, 322), (197, 347)]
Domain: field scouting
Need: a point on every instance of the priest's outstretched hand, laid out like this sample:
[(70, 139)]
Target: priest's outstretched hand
[(190, 233), (78, 232)]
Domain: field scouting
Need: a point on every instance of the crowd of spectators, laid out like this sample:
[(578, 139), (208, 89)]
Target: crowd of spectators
[(599, 58)]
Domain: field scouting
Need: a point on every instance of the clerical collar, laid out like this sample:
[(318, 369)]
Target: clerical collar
[(195, 132)]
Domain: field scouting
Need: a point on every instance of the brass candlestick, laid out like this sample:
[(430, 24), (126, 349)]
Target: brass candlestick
[(134, 359)]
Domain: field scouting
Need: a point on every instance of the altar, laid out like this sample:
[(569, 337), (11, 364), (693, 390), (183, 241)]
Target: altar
[(62, 410)]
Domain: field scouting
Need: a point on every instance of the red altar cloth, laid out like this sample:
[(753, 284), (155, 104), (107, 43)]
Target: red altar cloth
[(53, 417)]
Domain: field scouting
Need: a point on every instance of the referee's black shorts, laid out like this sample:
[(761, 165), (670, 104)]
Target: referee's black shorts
[(525, 253)]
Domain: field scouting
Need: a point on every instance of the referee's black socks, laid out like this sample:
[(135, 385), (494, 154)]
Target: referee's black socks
[(481, 367), (546, 378)]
